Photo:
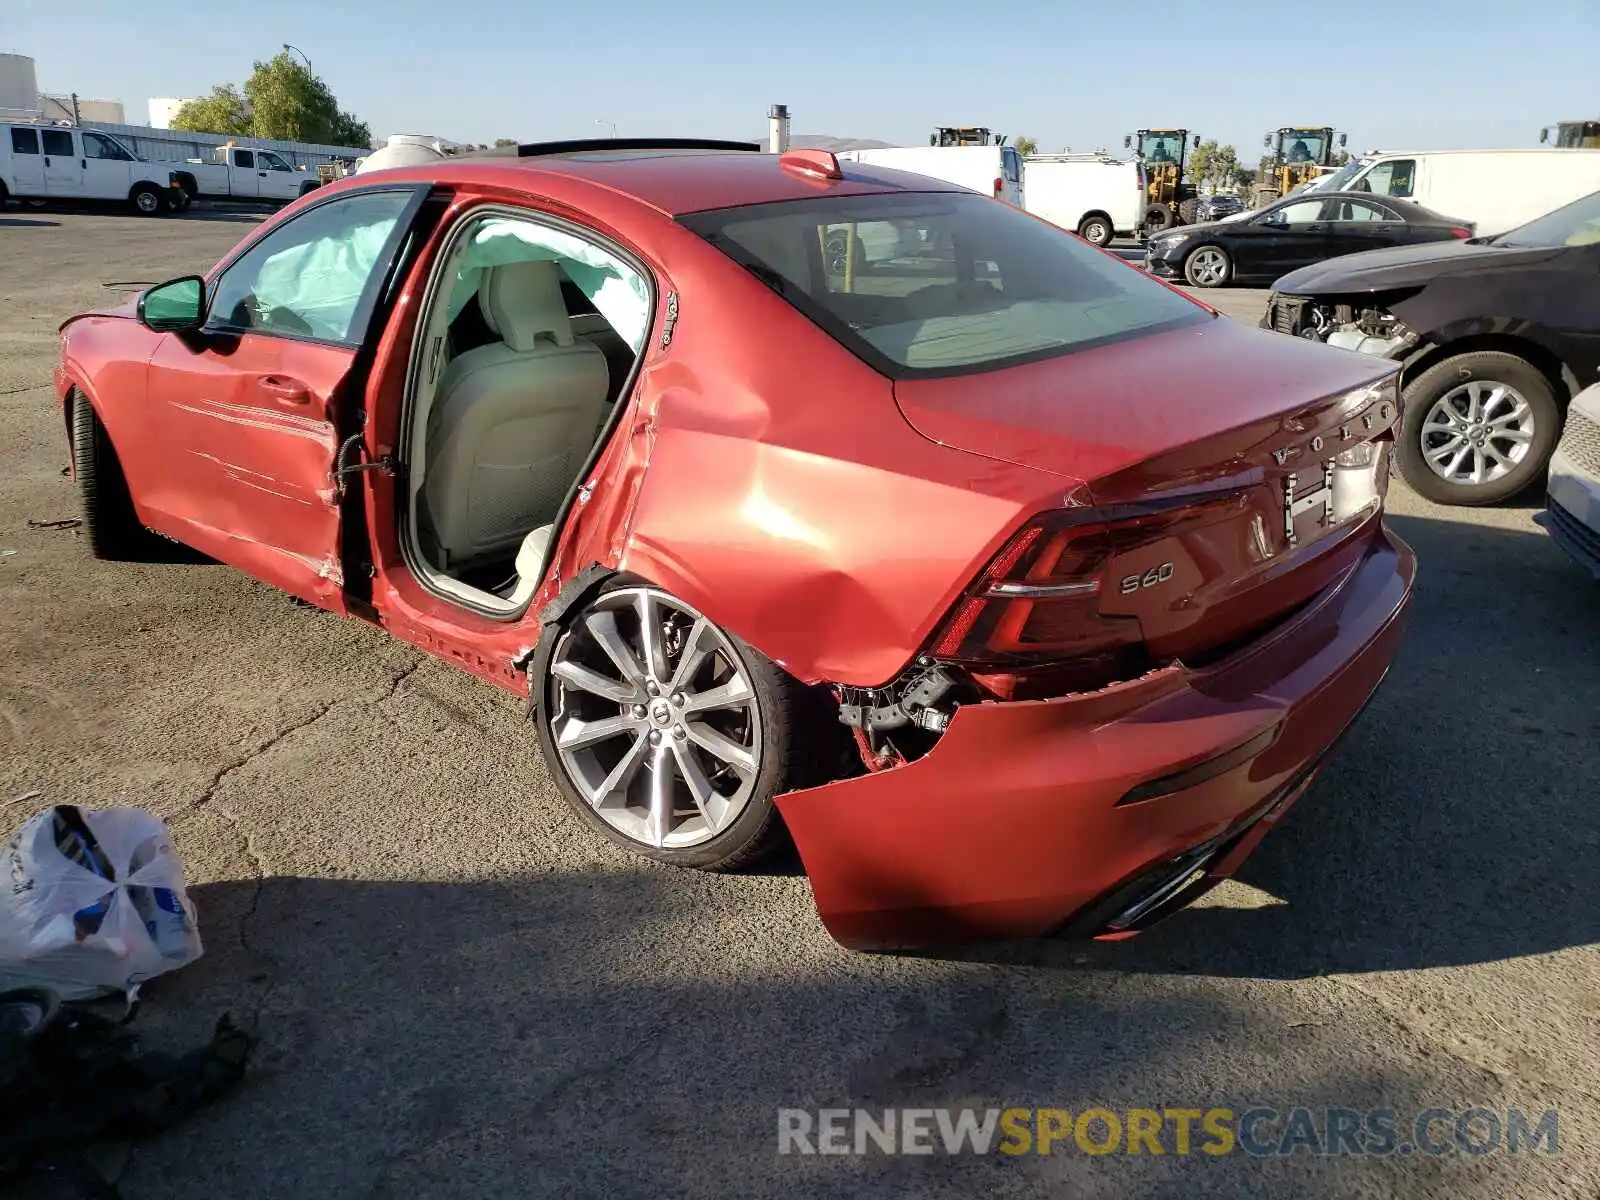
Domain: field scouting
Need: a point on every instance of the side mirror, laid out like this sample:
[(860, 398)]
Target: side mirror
[(1344, 139), (1127, 141), (1266, 140), (175, 306), (1197, 141), (1544, 134)]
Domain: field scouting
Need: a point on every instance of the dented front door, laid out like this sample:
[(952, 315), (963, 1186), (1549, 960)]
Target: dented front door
[(247, 413)]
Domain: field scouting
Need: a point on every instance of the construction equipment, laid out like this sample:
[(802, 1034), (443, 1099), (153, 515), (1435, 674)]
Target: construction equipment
[(965, 135), (1161, 154), (1573, 135), (1295, 156)]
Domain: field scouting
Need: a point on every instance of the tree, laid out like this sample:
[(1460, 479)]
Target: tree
[(1211, 163), (500, 143), (1340, 157), (1244, 176), (289, 103), (1027, 145), (283, 101), (224, 111)]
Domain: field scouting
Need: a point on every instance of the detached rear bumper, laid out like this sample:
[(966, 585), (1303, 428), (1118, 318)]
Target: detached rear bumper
[(1099, 813)]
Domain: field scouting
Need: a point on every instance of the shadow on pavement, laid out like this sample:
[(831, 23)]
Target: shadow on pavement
[(27, 223)]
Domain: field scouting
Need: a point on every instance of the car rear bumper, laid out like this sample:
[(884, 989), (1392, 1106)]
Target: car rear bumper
[(1572, 517), (1099, 813)]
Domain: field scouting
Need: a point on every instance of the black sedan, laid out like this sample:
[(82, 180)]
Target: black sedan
[(1494, 336), (1293, 232), (1214, 208)]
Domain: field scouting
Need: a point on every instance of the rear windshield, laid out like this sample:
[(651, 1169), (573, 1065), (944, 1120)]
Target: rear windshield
[(926, 284)]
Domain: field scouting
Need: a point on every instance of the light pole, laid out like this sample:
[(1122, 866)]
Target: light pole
[(612, 125), (301, 53)]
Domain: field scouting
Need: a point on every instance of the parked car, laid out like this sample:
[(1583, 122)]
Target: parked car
[(1293, 232), (1494, 336), (1494, 190), (1214, 208), (1094, 195), (41, 163), (243, 173), (1572, 515), (1006, 583)]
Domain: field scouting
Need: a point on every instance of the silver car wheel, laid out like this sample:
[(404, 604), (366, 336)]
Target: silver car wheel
[(1207, 267), (147, 201), (1477, 432), (1096, 232), (654, 719)]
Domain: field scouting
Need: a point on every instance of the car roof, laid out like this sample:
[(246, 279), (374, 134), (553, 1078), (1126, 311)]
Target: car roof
[(1408, 209), (675, 182)]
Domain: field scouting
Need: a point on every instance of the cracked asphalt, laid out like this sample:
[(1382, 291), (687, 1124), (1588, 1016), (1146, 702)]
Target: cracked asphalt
[(459, 993)]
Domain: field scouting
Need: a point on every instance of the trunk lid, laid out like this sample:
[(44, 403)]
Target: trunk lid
[(1235, 429)]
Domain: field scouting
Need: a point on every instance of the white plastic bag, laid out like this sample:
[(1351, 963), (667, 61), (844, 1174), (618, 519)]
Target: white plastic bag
[(93, 902)]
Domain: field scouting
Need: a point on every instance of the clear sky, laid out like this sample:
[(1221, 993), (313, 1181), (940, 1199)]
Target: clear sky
[(1402, 73)]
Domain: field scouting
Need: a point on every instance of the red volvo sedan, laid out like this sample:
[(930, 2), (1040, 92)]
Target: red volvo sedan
[(1024, 592)]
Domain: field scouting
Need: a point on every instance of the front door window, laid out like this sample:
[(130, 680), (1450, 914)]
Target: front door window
[(313, 277)]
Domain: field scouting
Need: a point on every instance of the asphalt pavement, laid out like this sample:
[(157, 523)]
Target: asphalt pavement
[(461, 993)]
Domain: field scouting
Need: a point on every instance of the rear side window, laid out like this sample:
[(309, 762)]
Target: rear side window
[(24, 141), (58, 142), (927, 284), (244, 158)]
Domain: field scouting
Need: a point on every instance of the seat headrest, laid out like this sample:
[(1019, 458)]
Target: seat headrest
[(522, 300)]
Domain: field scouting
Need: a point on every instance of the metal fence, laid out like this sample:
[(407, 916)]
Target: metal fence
[(174, 145)]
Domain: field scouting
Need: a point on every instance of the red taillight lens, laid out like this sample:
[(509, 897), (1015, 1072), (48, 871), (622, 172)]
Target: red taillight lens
[(1039, 599), (999, 186), (1461, 231)]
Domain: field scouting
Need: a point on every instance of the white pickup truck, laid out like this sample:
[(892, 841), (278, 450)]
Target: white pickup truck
[(242, 173)]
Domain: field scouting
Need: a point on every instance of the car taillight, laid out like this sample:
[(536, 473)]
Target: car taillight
[(1461, 231), (1039, 599), (999, 186)]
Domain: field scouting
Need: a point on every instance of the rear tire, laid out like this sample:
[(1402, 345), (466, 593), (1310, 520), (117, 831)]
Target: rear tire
[(109, 519), (609, 780), (1096, 229), (1523, 417), (1187, 210), (148, 200), (1158, 217)]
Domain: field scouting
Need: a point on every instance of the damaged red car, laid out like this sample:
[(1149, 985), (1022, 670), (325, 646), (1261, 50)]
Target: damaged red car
[(1022, 591)]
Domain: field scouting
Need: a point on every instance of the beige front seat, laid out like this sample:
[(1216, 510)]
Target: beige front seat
[(512, 421)]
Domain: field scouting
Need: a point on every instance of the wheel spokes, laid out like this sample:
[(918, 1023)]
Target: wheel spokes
[(659, 821), (584, 679), (602, 627), (734, 693), (620, 779), (576, 733), (722, 748)]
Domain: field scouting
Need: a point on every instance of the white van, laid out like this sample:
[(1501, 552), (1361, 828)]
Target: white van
[(993, 170), (1093, 195), (60, 162), (1496, 190)]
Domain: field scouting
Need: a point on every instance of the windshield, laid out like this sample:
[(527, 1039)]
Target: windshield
[(1336, 181), (1302, 146), (1161, 147), (920, 284), (1578, 224)]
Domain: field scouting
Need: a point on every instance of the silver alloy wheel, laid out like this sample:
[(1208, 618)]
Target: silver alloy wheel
[(147, 202), (1478, 432), (1207, 267), (654, 719), (1095, 231)]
